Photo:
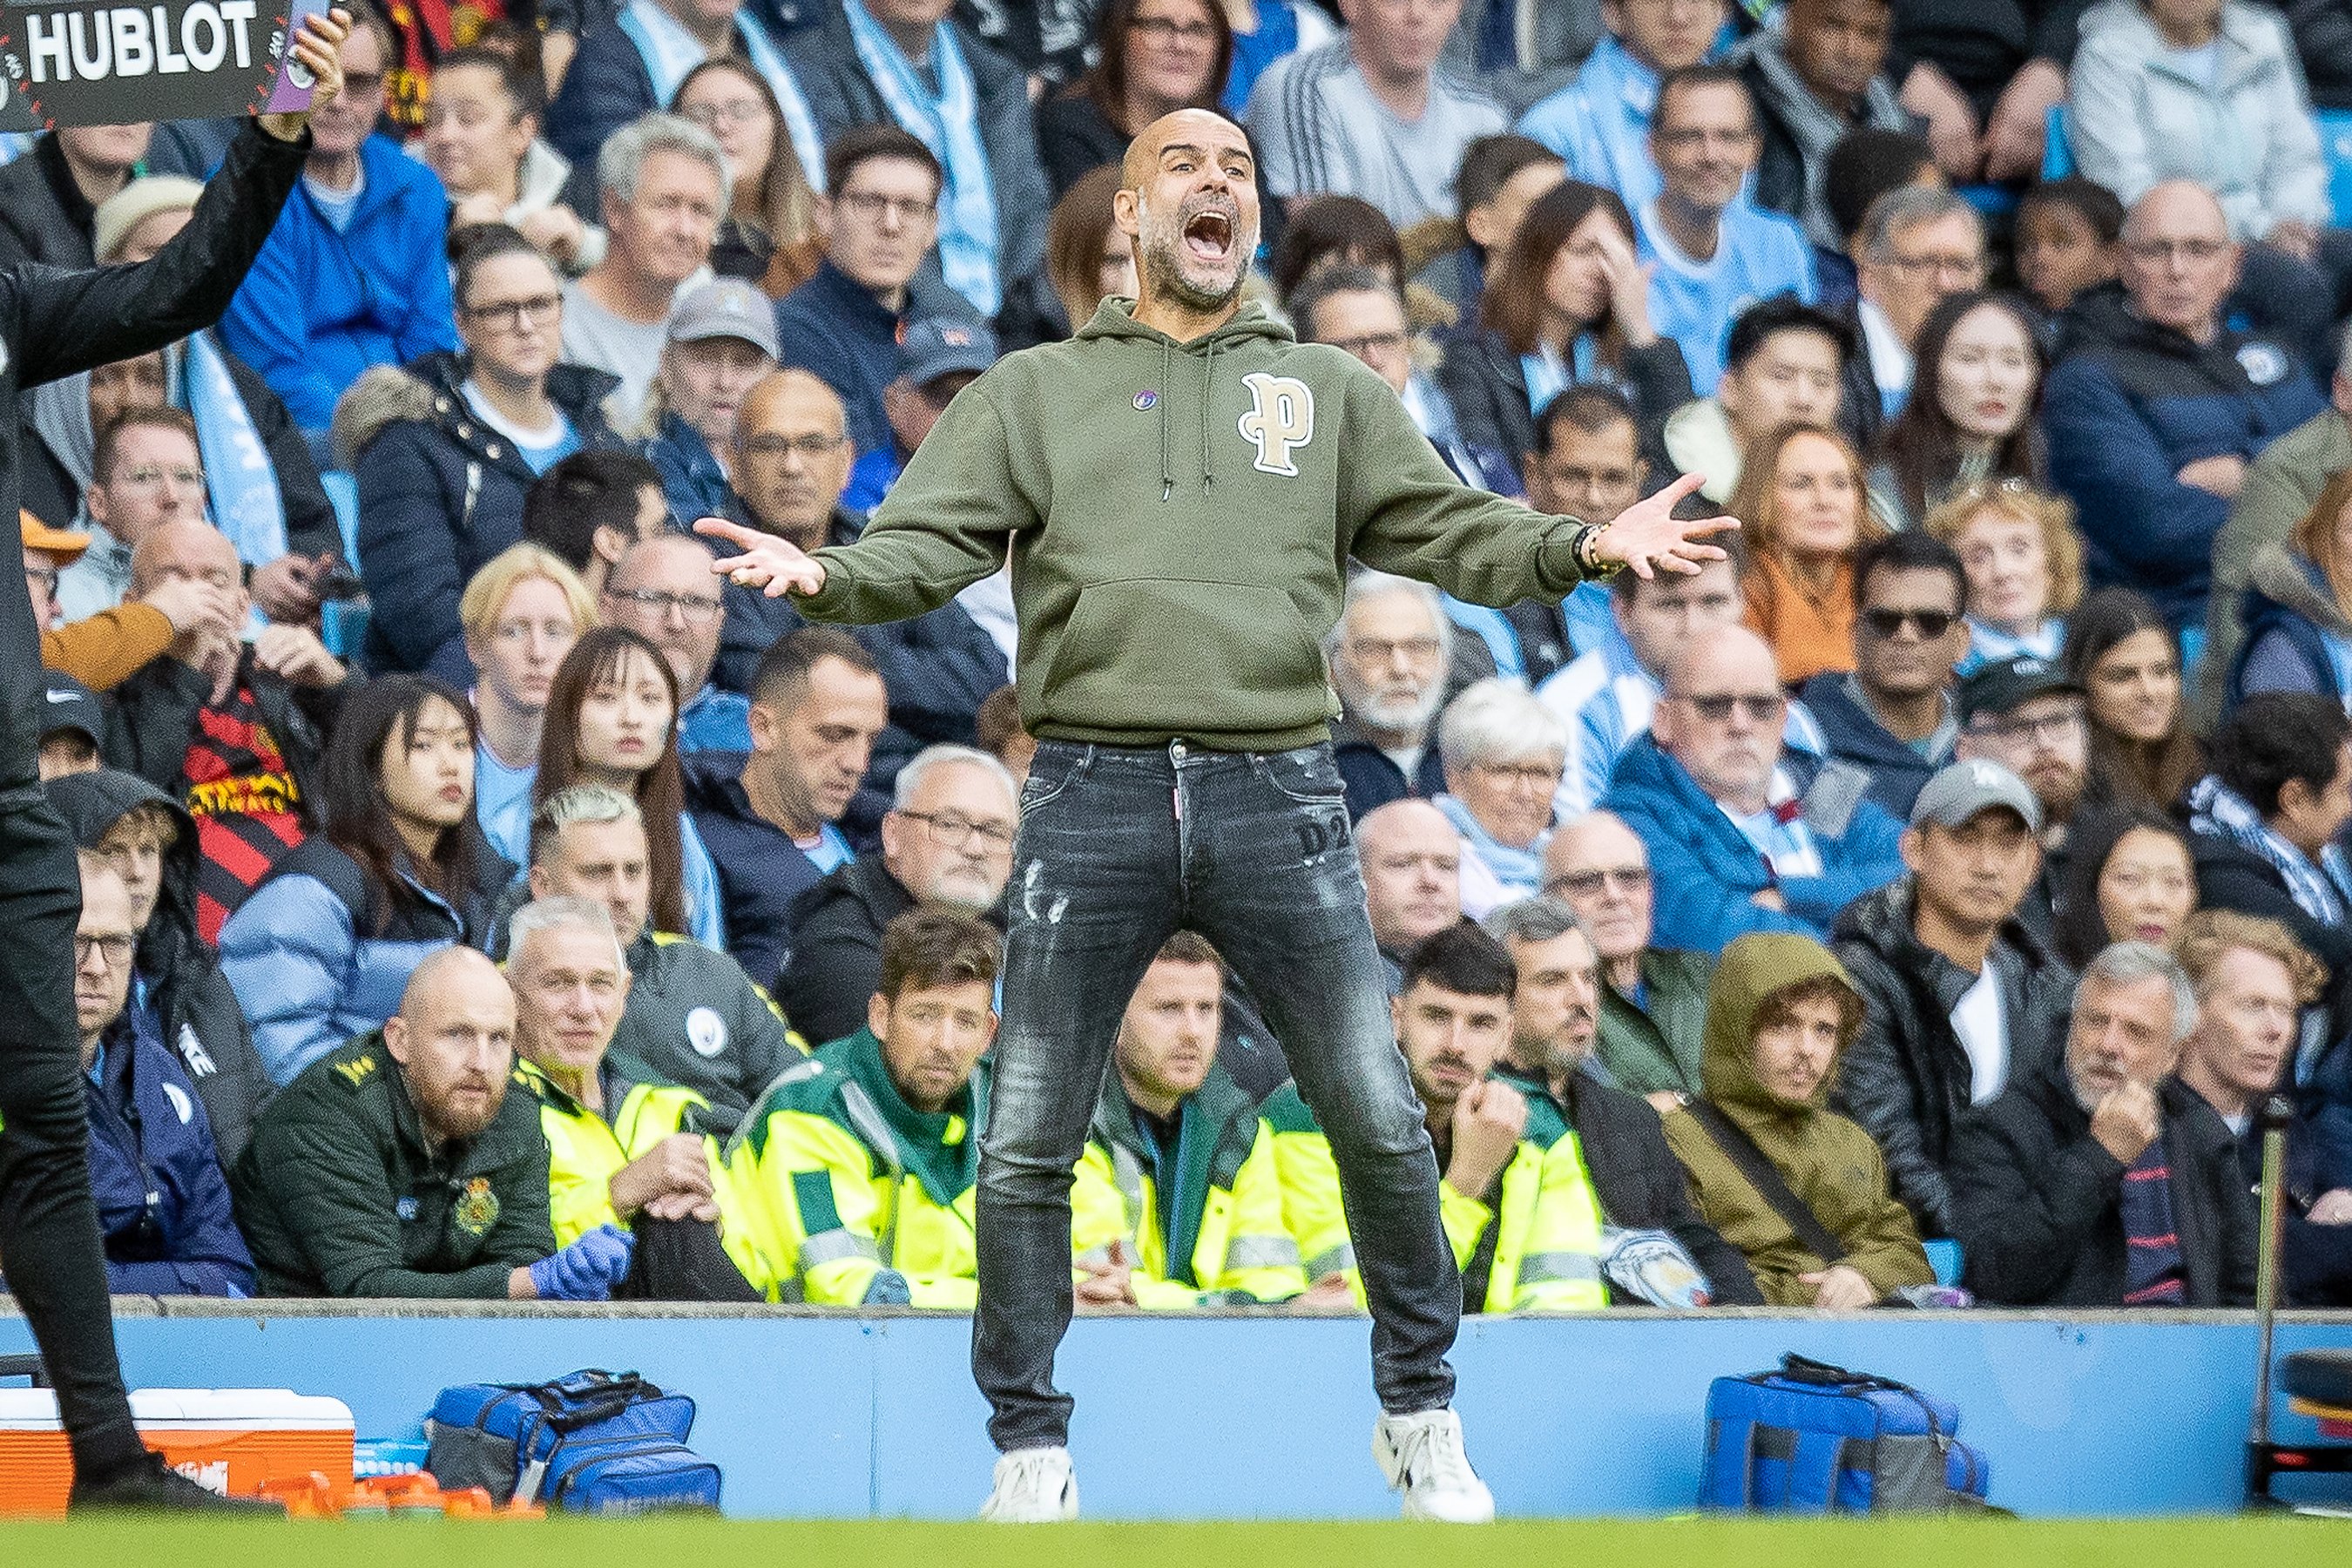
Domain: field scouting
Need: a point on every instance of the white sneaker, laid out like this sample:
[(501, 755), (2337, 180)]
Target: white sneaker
[(1422, 1455), (1037, 1486)]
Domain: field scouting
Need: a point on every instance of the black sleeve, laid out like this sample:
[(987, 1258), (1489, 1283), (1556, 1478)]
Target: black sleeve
[(1875, 1086), (68, 321), (834, 969), (2024, 1213)]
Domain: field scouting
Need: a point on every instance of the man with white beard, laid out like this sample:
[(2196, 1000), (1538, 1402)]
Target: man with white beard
[(1389, 657)]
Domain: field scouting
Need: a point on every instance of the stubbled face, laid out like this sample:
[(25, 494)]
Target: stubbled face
[(1193, 209), (1168, 1040), (1662, 615), (1390, 666), (1975, 874), (1796, 1046), (1450, 1040), (570, 986), (933, 1037), (1704, 142), (2121, 1031)]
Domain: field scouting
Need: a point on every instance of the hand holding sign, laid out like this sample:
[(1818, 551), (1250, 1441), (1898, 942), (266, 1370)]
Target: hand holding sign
[(114, 62), (316, 52)]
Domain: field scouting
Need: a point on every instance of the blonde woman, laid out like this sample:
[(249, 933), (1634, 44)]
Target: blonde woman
[(2024, 565)]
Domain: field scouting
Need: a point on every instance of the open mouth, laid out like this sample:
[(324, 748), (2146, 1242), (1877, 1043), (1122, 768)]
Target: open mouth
[(1209, 236)]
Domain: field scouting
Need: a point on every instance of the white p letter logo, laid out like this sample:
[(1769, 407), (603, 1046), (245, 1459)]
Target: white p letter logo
[(1282, 416)]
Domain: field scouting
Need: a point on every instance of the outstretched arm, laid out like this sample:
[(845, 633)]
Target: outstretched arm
[(69, 321)]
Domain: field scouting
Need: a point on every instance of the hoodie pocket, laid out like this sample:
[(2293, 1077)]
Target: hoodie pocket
[(1169, 656)]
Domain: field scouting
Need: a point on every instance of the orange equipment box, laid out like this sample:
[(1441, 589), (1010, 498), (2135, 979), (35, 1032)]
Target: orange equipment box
[(230, 1440)]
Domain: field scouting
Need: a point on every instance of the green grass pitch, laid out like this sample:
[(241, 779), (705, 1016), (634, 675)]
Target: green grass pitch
[(404, 1543)]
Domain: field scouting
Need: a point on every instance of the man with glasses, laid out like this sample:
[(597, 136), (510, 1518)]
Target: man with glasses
[(145, 471), (163, 1196), (1960, 998), (1388, 656), (2028, 715), (661, 590), (1892, 716), (946, 844), (1712, 253), (1743, 835), (344, 282), (1918, 245), (879, 220), (2158, 406), (663, 184), (1653, 1000), (791, 462)]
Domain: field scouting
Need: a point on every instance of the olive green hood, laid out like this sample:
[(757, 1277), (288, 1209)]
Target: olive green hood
[(1752, 969)]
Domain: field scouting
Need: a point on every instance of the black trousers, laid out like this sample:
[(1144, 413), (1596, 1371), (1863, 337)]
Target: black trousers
[(682, 1260), (50, 1245)]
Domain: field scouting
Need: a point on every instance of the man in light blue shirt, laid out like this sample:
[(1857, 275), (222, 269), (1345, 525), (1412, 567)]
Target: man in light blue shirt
[(1601, 122), (1713, 254)]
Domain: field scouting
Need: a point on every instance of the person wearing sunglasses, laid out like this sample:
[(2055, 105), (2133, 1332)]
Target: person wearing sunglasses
[(1744, 835), (1653, 1011), (1892, 716)]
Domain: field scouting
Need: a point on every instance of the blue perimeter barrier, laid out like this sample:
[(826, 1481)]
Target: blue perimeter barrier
[(2096, 1414)]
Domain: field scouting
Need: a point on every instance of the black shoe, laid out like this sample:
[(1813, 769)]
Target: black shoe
[(149, 1485)]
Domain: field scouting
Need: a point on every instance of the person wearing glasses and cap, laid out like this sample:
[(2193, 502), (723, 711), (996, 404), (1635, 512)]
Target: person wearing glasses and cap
[(1892, 715), (1960, 997)]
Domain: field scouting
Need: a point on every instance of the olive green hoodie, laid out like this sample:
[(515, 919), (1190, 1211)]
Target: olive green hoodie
[(1179, 518), (1827, 1160)]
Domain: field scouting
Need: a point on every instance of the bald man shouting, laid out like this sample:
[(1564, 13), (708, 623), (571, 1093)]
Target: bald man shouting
[(1178, 488), (404, 1166)]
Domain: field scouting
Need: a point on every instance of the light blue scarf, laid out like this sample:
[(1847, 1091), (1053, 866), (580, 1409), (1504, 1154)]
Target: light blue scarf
[(246, 505), (1548, 375), (669, 52), (948, 123)]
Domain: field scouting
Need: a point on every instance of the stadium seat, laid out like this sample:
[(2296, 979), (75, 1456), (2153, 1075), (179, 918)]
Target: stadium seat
[(344, 493), (1944, 1257), (2336, 147)]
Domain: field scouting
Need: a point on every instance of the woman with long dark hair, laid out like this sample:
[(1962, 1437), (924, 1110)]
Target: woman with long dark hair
[(612, 718), (1566, 303), (2130, 876), (768, 235), (323, 948), (2127, 660), (1971, 414), (1155, 58)]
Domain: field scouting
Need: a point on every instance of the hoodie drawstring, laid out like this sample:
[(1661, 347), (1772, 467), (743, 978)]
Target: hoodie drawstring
[(1167, 369), (1208, 391)]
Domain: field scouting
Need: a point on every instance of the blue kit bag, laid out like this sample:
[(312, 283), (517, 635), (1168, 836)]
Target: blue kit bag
[(1816, 1439), (589, 1443)]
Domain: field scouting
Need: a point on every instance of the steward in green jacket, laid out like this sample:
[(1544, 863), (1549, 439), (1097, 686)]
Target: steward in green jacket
[(860, 1164)]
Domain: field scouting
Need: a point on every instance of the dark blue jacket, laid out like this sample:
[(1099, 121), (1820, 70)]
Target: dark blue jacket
[(833, 327), (2289, 613), (761, 871), (938, 669), (315, 957), (1705, 872), (2131, 405), (440, 494), (693, 483), (605, 86), (1897, 774), (1372, 780), (163, 1197), (319, 307), (754, 621)]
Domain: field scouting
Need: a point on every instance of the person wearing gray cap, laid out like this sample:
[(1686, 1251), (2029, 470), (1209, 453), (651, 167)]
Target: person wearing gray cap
[(937, 357), (1959, 996), (721, 340)]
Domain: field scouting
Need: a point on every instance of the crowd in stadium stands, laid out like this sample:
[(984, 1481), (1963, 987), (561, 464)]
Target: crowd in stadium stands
[(483, 897)]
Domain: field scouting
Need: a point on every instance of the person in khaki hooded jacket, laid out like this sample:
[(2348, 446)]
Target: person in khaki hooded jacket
[(1178, 490), (1781, 1012)]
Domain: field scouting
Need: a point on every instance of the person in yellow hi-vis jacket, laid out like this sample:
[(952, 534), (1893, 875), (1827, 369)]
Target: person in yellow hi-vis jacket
[(860, 1162), (1518, 1202), (1176, 1204), (625, 1149)]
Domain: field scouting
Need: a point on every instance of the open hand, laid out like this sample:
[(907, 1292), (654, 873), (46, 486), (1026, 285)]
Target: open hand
[(767, 561), (1648, 538), (318, 48)]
